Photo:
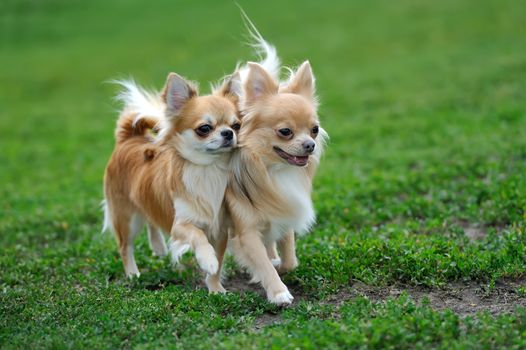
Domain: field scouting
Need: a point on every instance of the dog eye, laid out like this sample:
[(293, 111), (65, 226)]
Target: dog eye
[(285, 132), (315, 129), (236, 126), (203, 129)]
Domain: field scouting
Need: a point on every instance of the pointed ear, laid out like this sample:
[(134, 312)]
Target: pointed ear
[(177, 91), (231, 87), (302, 83), (259, 83)]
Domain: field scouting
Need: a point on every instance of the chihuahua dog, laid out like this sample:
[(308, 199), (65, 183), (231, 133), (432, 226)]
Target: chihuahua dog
[(280, 144), (174, 177)]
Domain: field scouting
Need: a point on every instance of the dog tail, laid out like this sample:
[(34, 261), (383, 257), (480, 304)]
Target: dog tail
[(129, 125), (269, 59), (143, 110)]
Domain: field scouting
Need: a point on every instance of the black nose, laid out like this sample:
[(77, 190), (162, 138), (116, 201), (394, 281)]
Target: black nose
[(227, 134), (309, 146)]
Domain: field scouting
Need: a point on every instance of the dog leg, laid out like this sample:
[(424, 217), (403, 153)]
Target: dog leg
[(156, 239), (272, 253), (252, 253), (213, 282), (186, 236), (126, 229), (287, 249)]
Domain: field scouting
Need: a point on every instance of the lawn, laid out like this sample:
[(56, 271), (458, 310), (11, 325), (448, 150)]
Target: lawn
[(421, 196)]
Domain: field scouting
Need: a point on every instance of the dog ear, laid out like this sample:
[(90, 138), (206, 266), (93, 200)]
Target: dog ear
[(177, 91), (259, 84), (302, 82), (231, 87)]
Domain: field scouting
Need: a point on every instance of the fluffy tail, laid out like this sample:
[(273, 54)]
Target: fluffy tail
[(129, 125), (268, 56), (143, 110)]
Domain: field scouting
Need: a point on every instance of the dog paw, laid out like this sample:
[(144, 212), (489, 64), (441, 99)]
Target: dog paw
[(219, 290), (214, 286), (159, 250), (286, 267), (206, 258), (133, 275), (177, 250), (282, 298), (276, 262), (254, 280)]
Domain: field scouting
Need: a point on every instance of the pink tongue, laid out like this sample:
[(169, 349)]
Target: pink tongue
[(299, 160)]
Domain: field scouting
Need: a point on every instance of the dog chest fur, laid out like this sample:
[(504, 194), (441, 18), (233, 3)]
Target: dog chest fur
[(205, 185), (294, 185)]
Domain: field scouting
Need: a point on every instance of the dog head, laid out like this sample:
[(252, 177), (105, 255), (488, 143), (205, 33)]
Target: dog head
[(281, 123), (202, 128)]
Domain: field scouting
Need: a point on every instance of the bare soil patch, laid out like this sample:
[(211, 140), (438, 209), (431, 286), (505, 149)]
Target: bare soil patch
[(474, 231), (463, 298)]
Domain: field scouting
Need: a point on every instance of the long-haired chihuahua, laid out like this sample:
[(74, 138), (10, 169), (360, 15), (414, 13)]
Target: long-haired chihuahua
[(175, 177), (269, 194)]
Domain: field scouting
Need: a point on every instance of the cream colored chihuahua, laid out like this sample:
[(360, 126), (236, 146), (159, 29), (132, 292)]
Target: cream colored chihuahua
[(269, 194)]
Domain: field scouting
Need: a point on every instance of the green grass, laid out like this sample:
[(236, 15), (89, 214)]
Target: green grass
[(425, 104)]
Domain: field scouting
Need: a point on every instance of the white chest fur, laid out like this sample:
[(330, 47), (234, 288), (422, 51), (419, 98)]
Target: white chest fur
[(295, 187), (206, 185)]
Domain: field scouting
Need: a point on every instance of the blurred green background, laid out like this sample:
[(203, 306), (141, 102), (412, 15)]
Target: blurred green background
[(398, 81), (424, 102)]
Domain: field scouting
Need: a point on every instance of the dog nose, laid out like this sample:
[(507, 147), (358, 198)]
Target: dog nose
[(227, 134), (309, 146)]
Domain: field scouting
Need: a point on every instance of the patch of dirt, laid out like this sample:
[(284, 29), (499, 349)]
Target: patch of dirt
[(477, 231), (474, 232), (463, 298), (267, 319), (238, 282)]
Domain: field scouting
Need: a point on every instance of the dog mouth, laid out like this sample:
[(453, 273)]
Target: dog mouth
[(291, 159), (226, 146)]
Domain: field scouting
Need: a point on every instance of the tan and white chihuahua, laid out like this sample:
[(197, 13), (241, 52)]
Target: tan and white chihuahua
[(174, 180), (269, 194)]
